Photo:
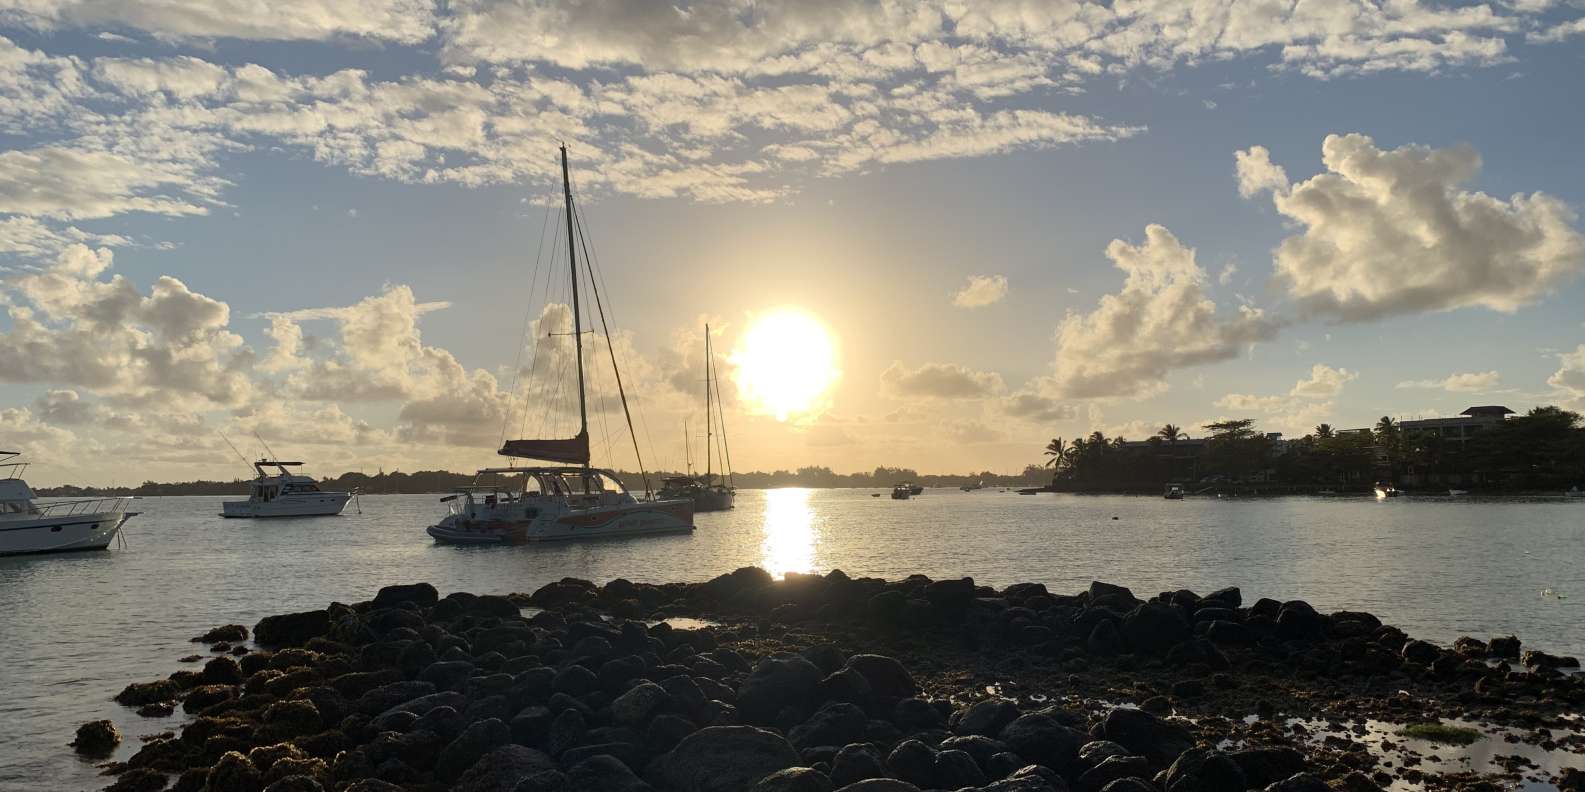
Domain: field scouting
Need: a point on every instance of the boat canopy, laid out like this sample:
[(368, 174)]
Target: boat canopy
[(573, 450)]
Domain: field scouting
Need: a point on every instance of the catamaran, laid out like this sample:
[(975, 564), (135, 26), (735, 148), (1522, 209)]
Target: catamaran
[(571, 501), (27, 526), (708, 492), (285, 494)]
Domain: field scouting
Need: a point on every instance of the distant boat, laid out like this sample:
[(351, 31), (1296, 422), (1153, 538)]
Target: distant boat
[(1457, 492), (1384, 491), (1326, 492), (28, 527), (285, 494), (902, 492), (1574, 492), (568, 502), (708, 492), (972, 487), (1173, 492), (913, 489)]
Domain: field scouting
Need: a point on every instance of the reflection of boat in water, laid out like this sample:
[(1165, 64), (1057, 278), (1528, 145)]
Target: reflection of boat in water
[(63, 526), (285, 494), (1173, 492), (1386, 491), (559, 503), (902, 492)]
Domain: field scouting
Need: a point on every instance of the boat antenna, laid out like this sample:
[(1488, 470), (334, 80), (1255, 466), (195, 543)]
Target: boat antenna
[(687, 455), (267, 449), (709, 436), (577, 319), (599, 305)]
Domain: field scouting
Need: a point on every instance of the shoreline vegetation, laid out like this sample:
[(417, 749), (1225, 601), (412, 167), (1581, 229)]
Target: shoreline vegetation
[(825, 682)]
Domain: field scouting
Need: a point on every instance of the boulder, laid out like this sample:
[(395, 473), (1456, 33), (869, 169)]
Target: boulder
[(794, 779), (1298, 621), (879, 785), (987, 717), (230, 633), (913, 761), (1146, 735), (955, 769), (640, 703), (724, 759), (1130, 785), (834, 724), (97, 738), (1153, 628), (1299, 782), (950, 594), (1041, 739), (291, 629), (1266, 766), (1111, 769), (1205, 770), (604, 773), (420, 594), (502, 769), (889, 680), (1504, 648), (856, 762), (470, 746), (299, 782), (234, 773), (775, 683), (913, 714)]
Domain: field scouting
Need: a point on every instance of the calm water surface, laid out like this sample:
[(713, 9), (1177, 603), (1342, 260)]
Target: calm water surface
[(75, 629)]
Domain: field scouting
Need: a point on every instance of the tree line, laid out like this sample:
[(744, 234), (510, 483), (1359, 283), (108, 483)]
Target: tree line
[(1543, 449)]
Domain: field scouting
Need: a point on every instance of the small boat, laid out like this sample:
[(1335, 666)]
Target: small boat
[(972, 487), (29, 527), (902, 492), (913, 489), (708, 492), (1457, 492), (1574, 492), (875, 494), (569, 502), (284, 494), (1173, 492), (1384, 491)]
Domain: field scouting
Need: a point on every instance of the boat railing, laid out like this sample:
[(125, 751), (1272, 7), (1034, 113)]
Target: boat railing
[(115, 505)]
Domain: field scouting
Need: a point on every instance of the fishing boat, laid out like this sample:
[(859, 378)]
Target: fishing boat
[(1384, 491), (1173, 492), (285, 494), (708, 492), (902, 492), (27, 526), (571, 500)]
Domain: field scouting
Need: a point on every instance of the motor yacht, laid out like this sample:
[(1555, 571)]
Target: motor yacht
[(27, 526), (285, 494)]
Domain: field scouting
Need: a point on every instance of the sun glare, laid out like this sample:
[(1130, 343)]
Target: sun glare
[(786, 365)]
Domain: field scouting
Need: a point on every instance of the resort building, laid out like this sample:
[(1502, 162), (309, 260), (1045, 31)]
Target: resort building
[(1457, 431)]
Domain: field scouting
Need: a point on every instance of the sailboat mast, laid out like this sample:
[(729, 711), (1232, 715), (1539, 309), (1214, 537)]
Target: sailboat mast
[(708, 426), (577, 314)]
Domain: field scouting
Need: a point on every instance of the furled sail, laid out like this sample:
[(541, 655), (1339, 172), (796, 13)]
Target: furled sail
[(572, 451)]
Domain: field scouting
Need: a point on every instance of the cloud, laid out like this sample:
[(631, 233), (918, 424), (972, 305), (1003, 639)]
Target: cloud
[(1257, 173), (403, 21), (940, 381), (971, 432), (1562, 31), (1245, 402), (1160, 321), (73, 184), (1324, 382), (1390, 232), (1029, 404), (980, 291), (31, 238), (1569, 379), (1468, 382)]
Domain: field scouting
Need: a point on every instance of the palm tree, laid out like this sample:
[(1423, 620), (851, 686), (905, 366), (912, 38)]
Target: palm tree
[(1057, 451), (1324, 431), (1172, 434)]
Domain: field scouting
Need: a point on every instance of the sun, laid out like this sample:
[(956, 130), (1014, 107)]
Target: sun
[(785, 365)]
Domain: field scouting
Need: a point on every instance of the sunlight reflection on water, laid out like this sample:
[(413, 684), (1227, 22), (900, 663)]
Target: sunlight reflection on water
[(789, 544)]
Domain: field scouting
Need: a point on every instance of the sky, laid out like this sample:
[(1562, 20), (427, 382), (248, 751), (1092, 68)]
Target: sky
[(931, 234)]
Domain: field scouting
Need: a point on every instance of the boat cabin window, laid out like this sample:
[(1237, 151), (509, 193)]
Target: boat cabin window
[(14, 507)]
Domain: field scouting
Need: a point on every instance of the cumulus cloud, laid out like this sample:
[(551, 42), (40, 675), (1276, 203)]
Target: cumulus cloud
[(940, 381), (73, 184), (1466, 382), (1391, 232), (1324, 382), (1257, 173), (1029, 404), (1159, 321), (404, 21), (1569, 379), (980, 291)]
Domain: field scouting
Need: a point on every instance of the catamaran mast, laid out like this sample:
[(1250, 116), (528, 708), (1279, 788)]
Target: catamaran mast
[(577, 316), (709, 436)]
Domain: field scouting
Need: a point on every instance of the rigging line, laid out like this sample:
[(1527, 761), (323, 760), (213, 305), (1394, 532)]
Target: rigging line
[(548, 397), (726, 450), (528, 388), (611, 348), (267, 449), (522, 338)]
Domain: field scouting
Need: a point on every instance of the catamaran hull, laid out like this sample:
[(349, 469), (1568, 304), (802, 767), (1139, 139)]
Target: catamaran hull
[(645, 519), (319, 504), (713, 500), (63, 535)]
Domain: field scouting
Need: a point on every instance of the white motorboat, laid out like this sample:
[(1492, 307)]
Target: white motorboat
[(902, 492), (1455, 492), (559, 503), (1384, 491), (552, 504), (1173, 492), (27, 526), (285, 494)]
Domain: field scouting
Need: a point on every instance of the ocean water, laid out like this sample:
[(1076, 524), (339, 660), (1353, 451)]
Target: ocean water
[(76, 628)]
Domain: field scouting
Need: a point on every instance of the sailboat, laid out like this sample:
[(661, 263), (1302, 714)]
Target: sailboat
[(708, 492), (569, 501)]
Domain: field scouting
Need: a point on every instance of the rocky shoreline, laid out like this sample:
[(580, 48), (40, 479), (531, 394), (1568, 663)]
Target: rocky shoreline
[(825, 682)]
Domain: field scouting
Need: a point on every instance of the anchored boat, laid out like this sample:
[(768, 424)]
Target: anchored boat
[(285, 494), (570, 501), (27, 526)]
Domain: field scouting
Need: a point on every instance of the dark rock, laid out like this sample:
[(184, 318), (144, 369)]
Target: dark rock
[(603, 773), (575, 680), (724, 759), (229, 633), (1041, 739), (987, 717), (776, 683), (665, 731), (913, 761), (531, 725), (446, 674), (1205, 770), (221, 671), (834, 724), (1096, 751), (420, 594), (295, 783), (140, 693), (794, 779), (1146, 735), (1298, 621), (205, 696), (1299, 782), (1229, 597), (1130, 785), (502, 769), (473, 743), (950, 594), (954, 769), (568, 729), (912, 714), (1534, 658), (981, 748), (1420, 652), (1505, 648), (97, 738), (1230, 633), (1104, 639), (827, 656), (139, 779), (846, 685), (635, 707), (1111, 769), (234, 773), (879, 785), (1266, 766), (1153, 628), (856, 762), (889, 680), (291, 629), (293, 717)]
